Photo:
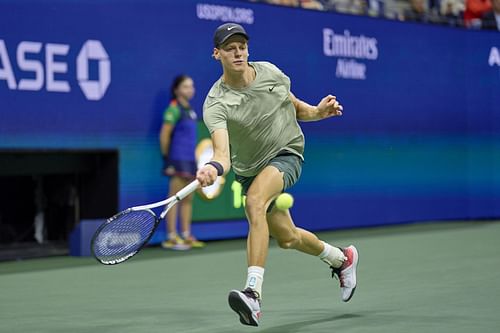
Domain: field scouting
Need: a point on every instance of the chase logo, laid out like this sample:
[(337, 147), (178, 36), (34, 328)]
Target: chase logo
[(93, 89), (40, 65)]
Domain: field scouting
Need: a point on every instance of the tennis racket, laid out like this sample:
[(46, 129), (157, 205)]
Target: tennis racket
[(126, 233)]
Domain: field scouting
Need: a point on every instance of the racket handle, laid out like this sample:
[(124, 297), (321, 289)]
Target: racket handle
[(190, 188)]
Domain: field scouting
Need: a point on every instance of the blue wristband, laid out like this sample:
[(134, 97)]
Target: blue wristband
[(218, 166)]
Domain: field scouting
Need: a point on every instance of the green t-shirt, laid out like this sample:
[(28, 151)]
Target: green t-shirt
[(260, 119), (172, 114)]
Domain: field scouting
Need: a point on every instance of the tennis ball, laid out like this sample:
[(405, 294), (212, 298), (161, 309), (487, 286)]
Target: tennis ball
[(284, 201)]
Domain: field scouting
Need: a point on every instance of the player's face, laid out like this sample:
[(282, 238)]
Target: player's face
[(185, 89), (233, 54)]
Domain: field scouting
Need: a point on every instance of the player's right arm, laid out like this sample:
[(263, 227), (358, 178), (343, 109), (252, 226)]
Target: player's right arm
[(207, 174)]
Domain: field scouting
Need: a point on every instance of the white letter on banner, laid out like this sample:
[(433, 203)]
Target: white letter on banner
[(93, 50), (6, 72), (327, 42), (494, 58), (53, 67), (30, 65)]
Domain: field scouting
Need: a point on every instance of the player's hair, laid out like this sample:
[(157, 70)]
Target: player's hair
[(176, 83)]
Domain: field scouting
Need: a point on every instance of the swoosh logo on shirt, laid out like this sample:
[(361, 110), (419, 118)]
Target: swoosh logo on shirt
[(271, 89)]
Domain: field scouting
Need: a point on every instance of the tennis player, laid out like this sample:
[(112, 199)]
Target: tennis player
[(252, 117)]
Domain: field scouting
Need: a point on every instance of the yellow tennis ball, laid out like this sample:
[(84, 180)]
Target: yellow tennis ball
[(284, 201)]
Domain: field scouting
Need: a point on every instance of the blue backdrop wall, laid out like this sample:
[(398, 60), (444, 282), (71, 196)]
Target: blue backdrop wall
[(419, 139)]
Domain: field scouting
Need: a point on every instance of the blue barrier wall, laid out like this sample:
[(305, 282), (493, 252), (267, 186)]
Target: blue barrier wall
[(420, 135)]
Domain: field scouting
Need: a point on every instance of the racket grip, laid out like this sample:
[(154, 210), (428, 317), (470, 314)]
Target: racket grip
[(190, 188)]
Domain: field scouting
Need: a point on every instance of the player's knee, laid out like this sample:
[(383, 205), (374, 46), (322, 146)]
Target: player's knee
[(255, 206), (290, 242)]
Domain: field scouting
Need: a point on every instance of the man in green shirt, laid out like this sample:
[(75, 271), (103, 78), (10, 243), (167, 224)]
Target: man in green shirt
[(252, 117)]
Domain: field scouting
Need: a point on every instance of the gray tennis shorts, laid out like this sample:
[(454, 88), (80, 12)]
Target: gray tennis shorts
[(286, 162)]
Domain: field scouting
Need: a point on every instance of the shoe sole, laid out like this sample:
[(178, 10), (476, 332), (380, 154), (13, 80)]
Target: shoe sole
[(239, 306), (181, 247), (178, 247), (355, 264)]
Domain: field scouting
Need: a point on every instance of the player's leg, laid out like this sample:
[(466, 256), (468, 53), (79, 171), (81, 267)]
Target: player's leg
[(175, 185), (186, 211), (289, 168), (288, 236), (173, 240), (342, 261), (262, 191)]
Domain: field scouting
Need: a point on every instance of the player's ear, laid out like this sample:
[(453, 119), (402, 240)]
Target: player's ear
[(216, 54)]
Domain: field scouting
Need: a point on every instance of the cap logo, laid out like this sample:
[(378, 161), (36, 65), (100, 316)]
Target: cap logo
[(231, 28)]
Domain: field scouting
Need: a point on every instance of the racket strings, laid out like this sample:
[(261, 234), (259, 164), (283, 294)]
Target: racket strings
[(124, 235)]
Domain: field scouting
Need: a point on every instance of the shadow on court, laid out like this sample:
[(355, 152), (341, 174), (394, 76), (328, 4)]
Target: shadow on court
[(304, 326), (377, 321)]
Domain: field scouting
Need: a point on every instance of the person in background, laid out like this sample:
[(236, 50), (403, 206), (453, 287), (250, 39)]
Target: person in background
[(474, 10), (375, 7), (289, 3), (356, 7), (451, 12), (177, 144), (311, 4), (417, 12), (491, 19)]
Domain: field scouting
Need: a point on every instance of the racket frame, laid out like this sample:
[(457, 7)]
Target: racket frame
[(168, 203)]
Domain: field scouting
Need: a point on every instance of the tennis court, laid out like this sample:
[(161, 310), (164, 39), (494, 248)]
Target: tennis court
[(415, 278)]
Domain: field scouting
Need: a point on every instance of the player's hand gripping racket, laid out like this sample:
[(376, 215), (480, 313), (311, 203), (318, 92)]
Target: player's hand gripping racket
[(125, 234)]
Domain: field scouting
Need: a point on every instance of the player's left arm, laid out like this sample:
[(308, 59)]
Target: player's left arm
[(327, 107)]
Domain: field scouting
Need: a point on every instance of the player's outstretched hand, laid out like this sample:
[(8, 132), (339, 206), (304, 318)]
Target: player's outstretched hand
[(206, 175), (329, 107)]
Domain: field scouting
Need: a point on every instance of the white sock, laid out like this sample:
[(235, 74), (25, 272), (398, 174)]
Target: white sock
[(186, 234), (255, 278), (172, 235), (332, 255)]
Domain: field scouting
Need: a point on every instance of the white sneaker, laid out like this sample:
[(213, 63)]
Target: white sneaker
[(246, 304), (347, 273)]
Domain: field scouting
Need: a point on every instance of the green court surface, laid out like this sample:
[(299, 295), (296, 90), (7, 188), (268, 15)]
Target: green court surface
[(416, 278)]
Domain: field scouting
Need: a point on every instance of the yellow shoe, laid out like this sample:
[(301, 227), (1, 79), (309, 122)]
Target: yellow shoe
[(194, 243), (175, 244)]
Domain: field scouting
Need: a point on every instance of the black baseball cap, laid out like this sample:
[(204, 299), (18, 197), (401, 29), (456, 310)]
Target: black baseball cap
[(227, 30)]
